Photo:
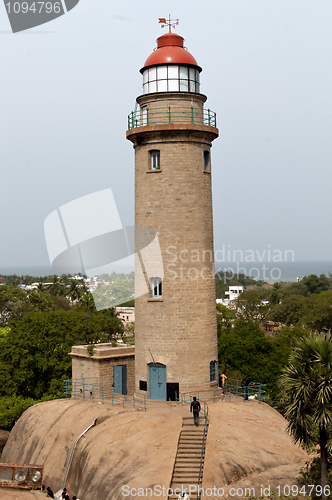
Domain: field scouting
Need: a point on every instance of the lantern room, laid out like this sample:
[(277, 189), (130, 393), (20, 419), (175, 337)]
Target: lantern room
[(170, 67)]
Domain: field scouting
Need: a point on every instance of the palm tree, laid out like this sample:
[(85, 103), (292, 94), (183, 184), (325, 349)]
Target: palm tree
[(74, 291), (87, 302), (56, 287), (306, 395)]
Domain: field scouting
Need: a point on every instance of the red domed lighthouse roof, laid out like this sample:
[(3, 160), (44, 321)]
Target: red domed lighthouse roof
[(170, 50)]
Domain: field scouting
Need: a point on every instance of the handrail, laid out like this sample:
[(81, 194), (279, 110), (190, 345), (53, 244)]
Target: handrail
[(72, 453), (78, 387), (172, 114), (232, 388), (200, 476)]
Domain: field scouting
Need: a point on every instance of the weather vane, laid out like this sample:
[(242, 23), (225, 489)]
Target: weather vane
[(171, 23)]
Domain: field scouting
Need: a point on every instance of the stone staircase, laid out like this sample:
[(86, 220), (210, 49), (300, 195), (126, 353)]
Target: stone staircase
[(188, 458)]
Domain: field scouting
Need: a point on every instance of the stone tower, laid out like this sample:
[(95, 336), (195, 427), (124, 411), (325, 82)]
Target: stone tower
[(172, 133)]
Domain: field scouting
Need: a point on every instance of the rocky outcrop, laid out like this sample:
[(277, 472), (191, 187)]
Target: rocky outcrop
[(247, 446)]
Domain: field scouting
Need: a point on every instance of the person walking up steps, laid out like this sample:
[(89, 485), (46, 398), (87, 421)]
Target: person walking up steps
[(195, 407)]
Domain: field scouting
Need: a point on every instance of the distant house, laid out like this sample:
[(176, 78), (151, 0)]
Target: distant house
[(233, 293), (126, 314)]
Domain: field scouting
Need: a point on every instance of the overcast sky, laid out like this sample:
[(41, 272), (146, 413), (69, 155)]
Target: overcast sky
[(68, 86)]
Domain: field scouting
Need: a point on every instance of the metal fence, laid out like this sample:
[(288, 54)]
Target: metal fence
[(88, 389), (172, 114), (232, 389)]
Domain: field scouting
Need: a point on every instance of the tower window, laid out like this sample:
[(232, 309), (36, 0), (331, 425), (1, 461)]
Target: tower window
[(206, 160), (156, 288), (213, 371), (155, 159)]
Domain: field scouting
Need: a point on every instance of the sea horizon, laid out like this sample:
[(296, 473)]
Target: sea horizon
[(266, 271)]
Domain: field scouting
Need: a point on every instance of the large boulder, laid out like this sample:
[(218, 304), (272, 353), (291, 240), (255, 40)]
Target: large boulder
[(247, 446)]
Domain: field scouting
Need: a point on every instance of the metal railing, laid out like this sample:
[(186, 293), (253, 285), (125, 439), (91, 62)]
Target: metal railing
[(206, 417), (92, 391), (172, 114), (232, 388)]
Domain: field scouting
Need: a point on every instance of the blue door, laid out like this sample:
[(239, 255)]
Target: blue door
[(120, 379), (157, 382)]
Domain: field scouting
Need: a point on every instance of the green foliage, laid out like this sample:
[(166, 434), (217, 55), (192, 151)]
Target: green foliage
[(225, 319), (288, 312), (247, 350), (317, 311), (34, 357), (311, 473), (11, 408), (90, 349), (251, 305), (226, 279), (120, 289), (315, 284), (306, 395)]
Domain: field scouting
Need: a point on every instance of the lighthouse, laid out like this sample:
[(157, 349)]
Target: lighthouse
[(172, 132)]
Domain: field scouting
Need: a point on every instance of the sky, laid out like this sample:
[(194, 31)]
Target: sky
[(68, 86)]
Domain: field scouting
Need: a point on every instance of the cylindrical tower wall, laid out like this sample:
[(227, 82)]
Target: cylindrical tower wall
[(177, 330)]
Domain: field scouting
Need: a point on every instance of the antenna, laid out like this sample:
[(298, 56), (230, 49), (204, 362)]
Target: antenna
[(171, 23)]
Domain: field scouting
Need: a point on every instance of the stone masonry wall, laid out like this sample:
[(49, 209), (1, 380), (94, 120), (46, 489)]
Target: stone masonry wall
[(179, 330)]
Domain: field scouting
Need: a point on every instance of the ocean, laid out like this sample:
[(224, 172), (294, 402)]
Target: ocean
[(266, 271)]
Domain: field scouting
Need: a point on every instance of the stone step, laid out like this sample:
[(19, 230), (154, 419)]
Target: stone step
[(187, 461), (190, 447), (192, 442), (193, 476), (186, 466)]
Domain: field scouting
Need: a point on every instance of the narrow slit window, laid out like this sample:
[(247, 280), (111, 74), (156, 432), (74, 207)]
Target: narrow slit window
[(155, 160), (206, 160), (156, 287)]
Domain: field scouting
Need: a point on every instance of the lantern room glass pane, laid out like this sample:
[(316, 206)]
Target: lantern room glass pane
[(162, 72), (183, 72), (197, 88), (146, 88), (173, 85), (173, 72), (145, 76), (183, 85), (152, 87), (152, 74), (192, 86), (162, 85), (192, 74)]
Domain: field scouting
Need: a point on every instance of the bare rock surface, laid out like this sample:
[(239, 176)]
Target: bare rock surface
[(247, 446)]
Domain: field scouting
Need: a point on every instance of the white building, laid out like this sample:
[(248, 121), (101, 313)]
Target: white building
[(233, 293)]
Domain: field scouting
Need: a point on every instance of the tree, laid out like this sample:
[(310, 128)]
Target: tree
[(225, 319), (34, 357), (74, 291), (11, 300), (56, 287), (306, 395), (317, 310), (252, 306), (247, 350), (315, 284), (288, 311)]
